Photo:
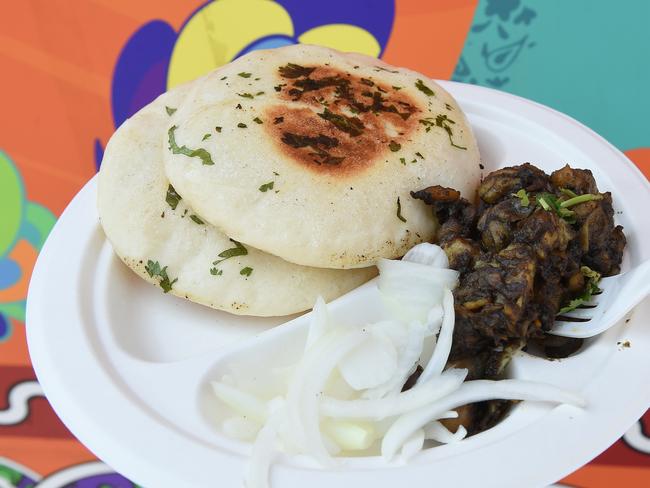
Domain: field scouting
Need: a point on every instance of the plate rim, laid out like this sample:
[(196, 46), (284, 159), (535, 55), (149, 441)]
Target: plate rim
[(113, 452)]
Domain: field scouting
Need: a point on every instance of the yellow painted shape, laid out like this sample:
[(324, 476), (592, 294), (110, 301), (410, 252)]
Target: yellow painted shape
[(220, 30), (344, 37)]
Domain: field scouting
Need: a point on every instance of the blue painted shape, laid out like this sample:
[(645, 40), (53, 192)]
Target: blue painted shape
[(375, 16), (141, 69), (9, 272)]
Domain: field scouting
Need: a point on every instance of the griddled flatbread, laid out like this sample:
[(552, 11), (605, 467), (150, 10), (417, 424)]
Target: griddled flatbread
[(311, 154), (164, 241)]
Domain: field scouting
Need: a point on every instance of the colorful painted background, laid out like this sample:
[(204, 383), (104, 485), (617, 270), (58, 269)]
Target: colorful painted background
[(72, 71)]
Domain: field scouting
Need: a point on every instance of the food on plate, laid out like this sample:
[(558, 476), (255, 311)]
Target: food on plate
[(309, 154), (532, 249), (158, 235), (345, 393)]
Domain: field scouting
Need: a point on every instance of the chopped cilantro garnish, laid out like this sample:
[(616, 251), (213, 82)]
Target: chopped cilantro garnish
[(244, 75), (397, 88), (550, 203), (591, 287), (394, 146), (419, 155), (278, 88), (403, 161), (186, 151), (291, 70), (238, 250), (241, 125), (247, 271), (399, 211), (257, 120), (259, 93), (153, 269), (206, 136), (587, 197), (246, 95), (424, 88), (170, 111), (568, 192), (223, 78), (350, 125), (266, 187), (197, 219), (216, 272), (444, 123), (381, 68), (523, 197), (276, 174), (172, 197)]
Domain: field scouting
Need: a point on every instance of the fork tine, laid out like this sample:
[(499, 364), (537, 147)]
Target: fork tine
[(567, 318)]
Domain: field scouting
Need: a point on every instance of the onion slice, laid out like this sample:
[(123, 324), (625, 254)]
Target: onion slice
[(471, 392), (435, 431), (418, 396), (443, 347)]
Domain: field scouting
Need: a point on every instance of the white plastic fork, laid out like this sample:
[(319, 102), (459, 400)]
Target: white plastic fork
[(620, 294)]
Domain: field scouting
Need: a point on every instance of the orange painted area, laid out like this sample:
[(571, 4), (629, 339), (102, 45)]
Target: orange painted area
[(604, 476), (13, 352), (57, 65), (641, 157), (25, 255), (429, 39), (44, 456)]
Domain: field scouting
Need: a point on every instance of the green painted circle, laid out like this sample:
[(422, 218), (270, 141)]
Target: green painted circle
[(11, 203)]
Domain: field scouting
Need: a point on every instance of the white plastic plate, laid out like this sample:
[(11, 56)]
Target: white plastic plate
[(126, 367)]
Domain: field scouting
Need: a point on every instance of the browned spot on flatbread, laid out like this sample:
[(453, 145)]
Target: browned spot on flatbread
[(336, 122)]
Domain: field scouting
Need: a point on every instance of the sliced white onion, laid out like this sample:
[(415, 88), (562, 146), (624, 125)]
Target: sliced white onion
[(264, 450), (422, 394), (434, 318), (407, 359), (435, 431), (428, 254), (370, 364), (471, 392), (240, 428), (413, 445), (443, 346), (410, 290), (307, 385), (319, 322), (240, 401), (350, 436)]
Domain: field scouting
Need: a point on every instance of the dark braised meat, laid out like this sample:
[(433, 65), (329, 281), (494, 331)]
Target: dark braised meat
[(522, 252)]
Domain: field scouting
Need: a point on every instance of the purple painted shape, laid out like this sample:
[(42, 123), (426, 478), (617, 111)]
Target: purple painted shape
[(148, 89), (4, 327), (375, 16), (106, 480), (99, 153), (141, 70), (26, 482)]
